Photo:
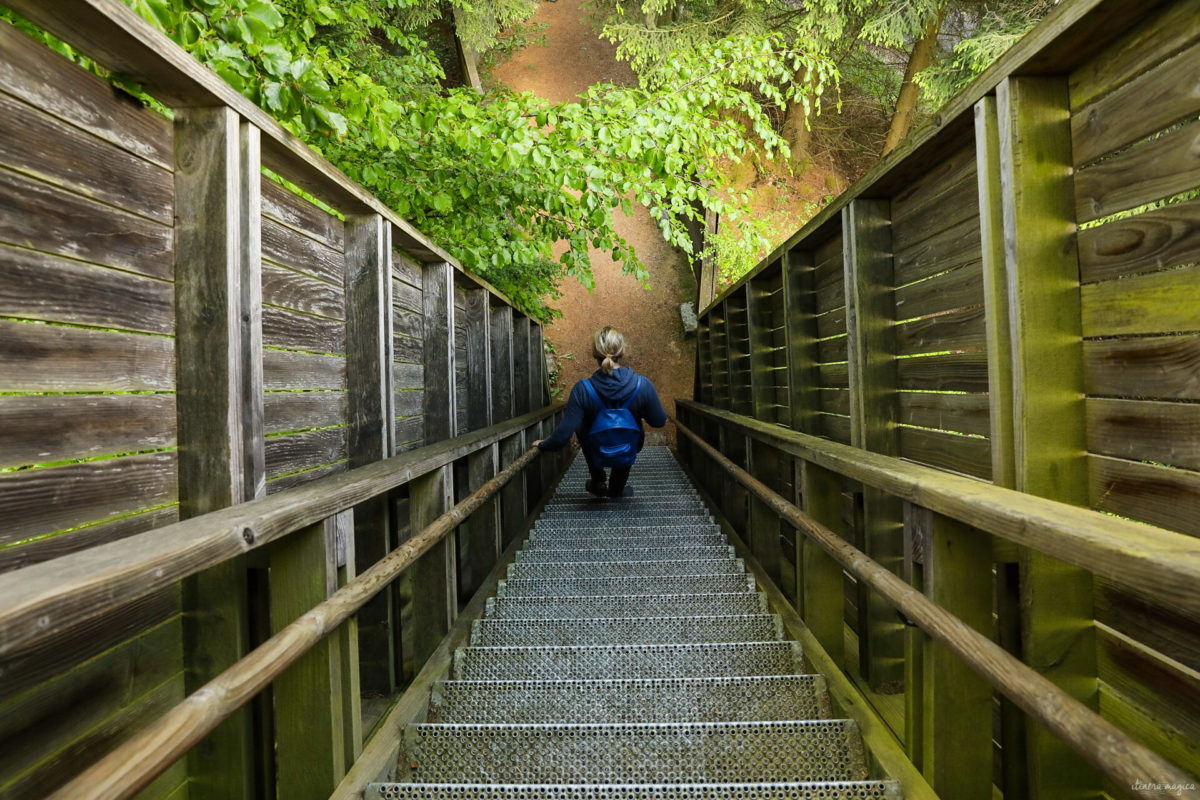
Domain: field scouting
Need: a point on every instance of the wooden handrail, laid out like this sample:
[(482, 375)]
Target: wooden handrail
[(1153, 562), (42, 599), (1097, 740), (135, 763)]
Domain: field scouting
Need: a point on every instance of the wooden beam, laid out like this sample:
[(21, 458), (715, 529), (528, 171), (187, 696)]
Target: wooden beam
[(1049, 439), (479, 540), (434, 575), (219, 401), (522, 402), (371, 435), (479, 360), (820, 578), (799, 303), (500, 338), (871, 351), (438, 309)]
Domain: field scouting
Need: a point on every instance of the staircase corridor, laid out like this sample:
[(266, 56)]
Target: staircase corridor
[(628, 655)]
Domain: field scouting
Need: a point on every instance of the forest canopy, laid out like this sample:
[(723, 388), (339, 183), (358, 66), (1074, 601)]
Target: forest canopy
[(497, 177)]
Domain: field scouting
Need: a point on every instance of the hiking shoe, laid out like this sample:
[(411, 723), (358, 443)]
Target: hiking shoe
[(598, 489), (626, 492)]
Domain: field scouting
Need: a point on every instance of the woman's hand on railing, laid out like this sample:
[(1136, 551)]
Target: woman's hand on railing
[(536, 442)]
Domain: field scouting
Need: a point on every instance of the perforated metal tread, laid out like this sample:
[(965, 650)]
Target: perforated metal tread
[(626, 661), (560, 540), (668, 605), (774, 698), (629, 630), (700, 752), (553, 570), (543, 529), (634, 553), (650, 502), (684, 584), (823, 790)]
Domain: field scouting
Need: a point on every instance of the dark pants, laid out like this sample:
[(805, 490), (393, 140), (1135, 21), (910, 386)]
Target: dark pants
[(616, 482)]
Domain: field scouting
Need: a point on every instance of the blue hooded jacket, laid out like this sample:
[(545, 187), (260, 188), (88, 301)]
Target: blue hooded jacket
[(614, 389)]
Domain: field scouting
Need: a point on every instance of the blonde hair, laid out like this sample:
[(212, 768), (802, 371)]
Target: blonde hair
[(608, 345)]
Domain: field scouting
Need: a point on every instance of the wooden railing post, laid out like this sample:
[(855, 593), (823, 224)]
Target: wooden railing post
[(512, 496), (371, 426), (479, 536), (821, 582), (955, 731), (1041, 271), (871, 350), (219, 383), (310, 736), (764, 464)]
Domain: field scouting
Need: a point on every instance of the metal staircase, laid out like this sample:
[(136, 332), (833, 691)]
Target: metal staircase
[(628, 655)]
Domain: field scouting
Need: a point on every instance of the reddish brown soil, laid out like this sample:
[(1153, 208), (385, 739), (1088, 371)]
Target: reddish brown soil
[(572, 59)]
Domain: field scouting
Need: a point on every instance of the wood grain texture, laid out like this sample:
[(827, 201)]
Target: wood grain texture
[(39, 76), (1154, 367), (957, 288), (500, 339), (1164, 237), (38, 429), (35, 215), (298, 451), (958, 331), (288, 329), (50, 358), (289, 248), (295, 479), (479, 367), (296, 291), (1150, 171), (964, 413), (1159, 495), (1156, 303), (438, 342), (284, 369), (966, 454), (946, 372), (408, 376), (369, 339), (935, 187), (1164, 94), (405, 295), (1142, 430), (63, 544), (297, 411), (285, 206), (1166, 630), (800, 327)]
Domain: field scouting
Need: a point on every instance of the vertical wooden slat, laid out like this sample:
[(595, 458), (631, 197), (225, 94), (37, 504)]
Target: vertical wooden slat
[(1049, 441), (434, 575), (1013, 775), (437, 305), (821, 577), (758, 324), (764, 523), (310, 739), (479, 536), (871, 351), (799, 303), (501, 342), (520, 350), (371, 434), (219, 401), (957, 703), (347, 643), (538, 473), (512, 496), (479, 360)]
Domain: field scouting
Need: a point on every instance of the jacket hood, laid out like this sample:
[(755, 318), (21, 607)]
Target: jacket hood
[(615, 388)]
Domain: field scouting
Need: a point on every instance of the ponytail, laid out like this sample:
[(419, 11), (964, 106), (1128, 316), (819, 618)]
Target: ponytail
[(608, 345)]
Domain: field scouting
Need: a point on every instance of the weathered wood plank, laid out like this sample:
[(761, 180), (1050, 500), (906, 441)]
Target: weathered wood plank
[(289, 329), (438, 299), (434, 602), (295, 452), (964, 413), (1160, 302), (958, 288), (1165, 30), (409, 403), (35, 215), (47, 548), (297, 411), (50, 358), (1160, 495), (408, 323), (283, 205), (827, 263), (299, 478), (299, 292), (830, 323), (801, 331), (1140, 430), (405, 269), (957, 212), (1158, 367), (1162, 95), (960, 331), (289, 248), (500, 339), (410, 430), (947, 372), (284, 369), (478, 362), (406, 349), (408, 376), (957, 246), (1164, 237), (479, 538), (1158, 626), (40, 428), (937, 185), (835, 376), (37, 144), (833, 351), (820, 577), (406, 295), (522, 402), (38, 76), (1150, 171), (966, 454)]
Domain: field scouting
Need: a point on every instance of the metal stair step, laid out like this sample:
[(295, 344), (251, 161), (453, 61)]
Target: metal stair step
[(553, 529), (629, 661), (623, 519), (678, 584), (540, 540), (634, 553), (816, 790), (761, 698), (664, 605), (629, 630), (552, 570), (717, 752)]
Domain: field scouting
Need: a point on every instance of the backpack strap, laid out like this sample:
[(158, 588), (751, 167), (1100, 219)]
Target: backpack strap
[(591, 390), (637, 388)]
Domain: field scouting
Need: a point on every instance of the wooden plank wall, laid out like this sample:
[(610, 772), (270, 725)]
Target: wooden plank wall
[(304, 339), (408, 342), (462, 425), (833, 377), (1135, 122), (87, 405)]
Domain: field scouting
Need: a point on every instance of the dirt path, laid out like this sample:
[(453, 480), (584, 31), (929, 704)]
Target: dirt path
[(573, 59)]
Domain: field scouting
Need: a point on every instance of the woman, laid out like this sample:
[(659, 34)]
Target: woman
[(611, 387)]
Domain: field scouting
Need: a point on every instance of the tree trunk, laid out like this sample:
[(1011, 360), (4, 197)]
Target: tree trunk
[(906, 103), (796, 131)]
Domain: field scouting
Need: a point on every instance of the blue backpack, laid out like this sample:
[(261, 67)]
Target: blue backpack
[(615, 431)]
